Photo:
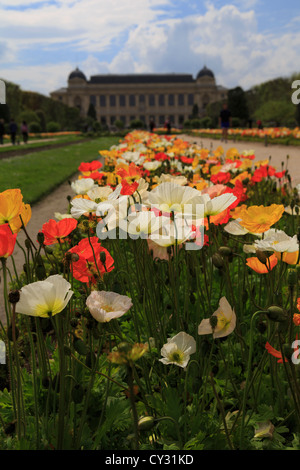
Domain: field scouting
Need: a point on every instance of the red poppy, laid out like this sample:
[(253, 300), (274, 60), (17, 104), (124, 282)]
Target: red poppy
[(187, 160), (128, 189), (161, 156), (220, 178), (279, 174), (7, 241), (275, 353), (91, 261), (55, 231), (90, 166), (95, 175)]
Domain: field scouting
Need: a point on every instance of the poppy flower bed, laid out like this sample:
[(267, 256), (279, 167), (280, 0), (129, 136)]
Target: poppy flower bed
[(161, 312)]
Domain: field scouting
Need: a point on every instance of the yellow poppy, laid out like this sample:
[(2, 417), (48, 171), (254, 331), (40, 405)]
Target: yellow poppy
[(258, 219), (10, 205)]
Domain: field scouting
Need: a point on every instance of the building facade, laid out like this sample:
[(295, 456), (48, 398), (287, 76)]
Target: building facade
[(141, 96)]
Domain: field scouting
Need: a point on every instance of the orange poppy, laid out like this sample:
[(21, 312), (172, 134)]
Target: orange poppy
[(262, 268)]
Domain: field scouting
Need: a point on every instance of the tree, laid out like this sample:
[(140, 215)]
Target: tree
[(92, 112), (195, 111), (237, 103)]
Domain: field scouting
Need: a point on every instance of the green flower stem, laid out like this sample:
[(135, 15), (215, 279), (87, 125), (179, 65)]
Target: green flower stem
[(157, 420), (259, 312), (221, 408), (133, 407)]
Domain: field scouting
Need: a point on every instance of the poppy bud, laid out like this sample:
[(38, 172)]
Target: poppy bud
[(146, 423), (276, 314), (217, 260), (14, 296), (49, 250), (40, 238), (102, 257), (225, 251), (40, 272), (27, 244)]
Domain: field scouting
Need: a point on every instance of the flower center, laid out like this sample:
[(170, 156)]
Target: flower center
[(177, 356)]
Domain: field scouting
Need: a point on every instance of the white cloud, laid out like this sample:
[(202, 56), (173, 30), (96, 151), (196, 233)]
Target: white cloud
[(135, 39)]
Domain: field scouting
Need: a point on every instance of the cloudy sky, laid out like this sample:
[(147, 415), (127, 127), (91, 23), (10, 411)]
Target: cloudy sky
[(244, 42)]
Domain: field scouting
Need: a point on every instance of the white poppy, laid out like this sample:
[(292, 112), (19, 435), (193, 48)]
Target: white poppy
[(83, 185), (226, 321), (45, 298), (81, 206), (105, 306), (178, 349), (99, 192)]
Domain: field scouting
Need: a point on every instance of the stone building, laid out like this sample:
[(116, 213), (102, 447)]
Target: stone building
[(141, 96)]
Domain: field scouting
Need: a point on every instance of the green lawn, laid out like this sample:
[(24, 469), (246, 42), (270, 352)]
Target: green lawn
[(38, 173), (43, 142)]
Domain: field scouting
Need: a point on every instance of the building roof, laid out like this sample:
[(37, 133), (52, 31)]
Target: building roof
[(205, 72), (77, 74), (142, 78)]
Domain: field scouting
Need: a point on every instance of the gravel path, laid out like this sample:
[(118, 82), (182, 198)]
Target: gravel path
[(57, 200)]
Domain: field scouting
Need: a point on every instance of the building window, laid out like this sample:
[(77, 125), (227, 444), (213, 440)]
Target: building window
[(123, 119), (103, 121), (112, 119), (161, 100), (122, 100), (180, 119), (190, 99), (112, 100), (143, 119), (131, 100), (172, 119), (161, 120), (102, 100), (93, 100), (151, 100), (142, 98), (171, 100), (181, 99), (60, 98), (132, 118)]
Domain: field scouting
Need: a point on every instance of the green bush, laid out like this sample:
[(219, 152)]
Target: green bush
[(34, 127), (236, 122), (53, 126), (119, 124), (206, 122), (136, 124)]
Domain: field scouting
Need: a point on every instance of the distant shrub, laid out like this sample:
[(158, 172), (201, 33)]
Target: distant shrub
[(206, 122), (53, 126), (119, 124), (136, 124), (34, 127), (236, 122)]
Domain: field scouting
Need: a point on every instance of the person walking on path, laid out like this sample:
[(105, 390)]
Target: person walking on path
[(2, 131), (24, 130), (225, 121), (168, 125), (152, 125), (13, 128)]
